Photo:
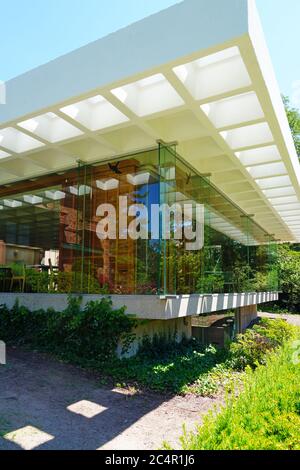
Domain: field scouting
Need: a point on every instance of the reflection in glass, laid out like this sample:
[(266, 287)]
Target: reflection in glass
[(48, 230)]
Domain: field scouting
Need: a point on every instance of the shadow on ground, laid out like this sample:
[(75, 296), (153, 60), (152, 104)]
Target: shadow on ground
[(45, 396)]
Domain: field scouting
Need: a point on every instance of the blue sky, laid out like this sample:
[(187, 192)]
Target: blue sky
[(35, 31)]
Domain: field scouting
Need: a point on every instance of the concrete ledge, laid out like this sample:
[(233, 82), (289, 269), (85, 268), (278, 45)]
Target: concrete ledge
[(149, 307), (187, 305)]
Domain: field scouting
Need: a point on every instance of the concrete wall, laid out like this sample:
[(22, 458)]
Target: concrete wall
[(215, 335), (244, 316), (178, 329)]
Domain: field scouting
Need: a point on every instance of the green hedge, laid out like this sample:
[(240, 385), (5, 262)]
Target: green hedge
[(251, 347), (265, 416), (79, 335)]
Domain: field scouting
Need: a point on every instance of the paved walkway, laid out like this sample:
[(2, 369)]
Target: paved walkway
[(292, 319), (48, 405)]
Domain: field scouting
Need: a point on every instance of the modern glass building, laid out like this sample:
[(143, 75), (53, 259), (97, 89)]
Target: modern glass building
[(189, 118), (49, 226)]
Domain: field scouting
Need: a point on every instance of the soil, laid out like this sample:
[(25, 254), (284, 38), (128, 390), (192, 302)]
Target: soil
[(41, 400)]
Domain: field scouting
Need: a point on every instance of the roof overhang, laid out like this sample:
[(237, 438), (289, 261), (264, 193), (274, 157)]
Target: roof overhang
[(198, 73)]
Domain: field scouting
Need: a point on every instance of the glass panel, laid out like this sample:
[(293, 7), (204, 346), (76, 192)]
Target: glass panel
[(236, 254), (123, 263), (168, 199), (50, 232)]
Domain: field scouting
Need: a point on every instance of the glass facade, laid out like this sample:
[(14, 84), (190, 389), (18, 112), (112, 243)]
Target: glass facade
[(51, 232)]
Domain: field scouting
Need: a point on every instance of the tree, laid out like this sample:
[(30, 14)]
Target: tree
[(293, 116), (289, 275)]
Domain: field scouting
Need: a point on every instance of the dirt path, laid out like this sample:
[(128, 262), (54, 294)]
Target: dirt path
[(48, 405)]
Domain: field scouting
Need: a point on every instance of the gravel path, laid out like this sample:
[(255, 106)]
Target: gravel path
[(48, 405)]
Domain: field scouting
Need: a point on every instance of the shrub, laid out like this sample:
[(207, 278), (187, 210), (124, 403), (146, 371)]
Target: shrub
[(38, 282), (251, 347), (211, 283), (288, 265), (265, 416), (183, 368), (79, 335), (62, 282)]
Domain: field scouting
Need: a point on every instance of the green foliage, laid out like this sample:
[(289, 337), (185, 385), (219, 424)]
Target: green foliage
[(78, 335), (187, 266), (213, 282), (261, 282), (189, 367), (274, 307), (251, 348), (17, 268), (37, 282), (293, 116), (241, 277), (167, 367), (62, 283), (265, 416), (289, 273)]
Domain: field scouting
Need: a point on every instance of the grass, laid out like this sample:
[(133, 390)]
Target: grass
[(89, 338), (182, 369), (276, 309), (192, 368), (4, 426), (265, 415)]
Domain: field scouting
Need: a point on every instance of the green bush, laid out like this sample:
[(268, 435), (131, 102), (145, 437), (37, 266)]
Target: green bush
[(211, 283), (37, 282), (289, 275), (183, 368), (78, 335), (265, 416), (251, 348), (62, 283)]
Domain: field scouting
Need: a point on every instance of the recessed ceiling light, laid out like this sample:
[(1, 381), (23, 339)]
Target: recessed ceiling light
[(30, 199), (214, 74), (248, 136), (96, 99), (274, 182), (140, 97), (95, 113), (11, 203), (51, 115), (234, 110), (138, 179), (82, 190), (4, 154), (107, 185), (17, 141), (55, 195), (51, 127)]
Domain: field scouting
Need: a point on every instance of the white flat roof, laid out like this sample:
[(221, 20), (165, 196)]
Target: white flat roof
[(198, 73)]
